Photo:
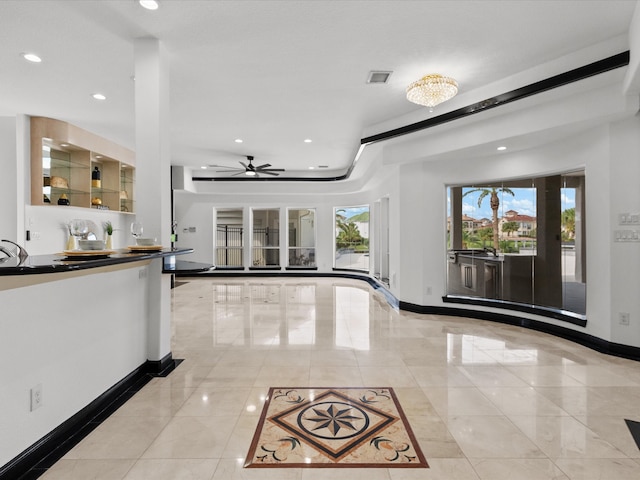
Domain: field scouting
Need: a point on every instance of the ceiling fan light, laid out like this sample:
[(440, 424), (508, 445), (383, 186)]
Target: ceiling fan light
[(431, 90), (250, 173)]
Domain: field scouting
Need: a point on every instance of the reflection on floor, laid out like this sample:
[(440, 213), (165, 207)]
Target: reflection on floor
[(484, 400)]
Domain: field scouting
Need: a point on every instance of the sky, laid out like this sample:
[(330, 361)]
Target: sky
[(523, 202)]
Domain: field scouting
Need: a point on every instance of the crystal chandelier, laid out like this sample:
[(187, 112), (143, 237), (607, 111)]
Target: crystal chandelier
[(431, 90)]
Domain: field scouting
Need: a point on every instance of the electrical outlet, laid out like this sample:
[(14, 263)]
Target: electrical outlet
[(429, 291), (36, 397), (624, 318)]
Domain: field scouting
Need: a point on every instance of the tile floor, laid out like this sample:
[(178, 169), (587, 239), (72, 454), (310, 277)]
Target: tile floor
[(485, 400)]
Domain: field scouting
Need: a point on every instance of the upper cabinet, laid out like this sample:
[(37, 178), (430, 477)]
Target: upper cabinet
[(70, 166)]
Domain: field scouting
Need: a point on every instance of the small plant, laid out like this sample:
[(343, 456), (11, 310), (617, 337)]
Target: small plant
[(108, 228)]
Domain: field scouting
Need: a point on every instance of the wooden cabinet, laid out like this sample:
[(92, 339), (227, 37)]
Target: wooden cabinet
[(64, 162)]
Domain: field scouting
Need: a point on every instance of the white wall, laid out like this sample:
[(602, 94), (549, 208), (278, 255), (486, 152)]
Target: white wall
[(75, 337), (8, 179), (624, 189)]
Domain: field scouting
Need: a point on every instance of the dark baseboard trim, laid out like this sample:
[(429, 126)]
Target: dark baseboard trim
[(40, 456), (569, 317), (582, 338)]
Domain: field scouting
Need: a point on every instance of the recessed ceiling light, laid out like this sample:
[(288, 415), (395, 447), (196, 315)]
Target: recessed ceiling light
[(98, 156), (149, 4), (311, 168), (99, 96), (307, 140), (501, 148), (64, 144), (32, 57), (238, 140), (203, 167)]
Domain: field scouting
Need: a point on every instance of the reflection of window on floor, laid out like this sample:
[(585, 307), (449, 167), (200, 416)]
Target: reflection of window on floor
[(352, 238), (302, 237), (519, 241), (229, 238), (265, 244)]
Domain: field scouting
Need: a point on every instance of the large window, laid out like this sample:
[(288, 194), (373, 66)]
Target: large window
[(265, 245), (302, 237), (229, 238), (352, 238), (520, 242)]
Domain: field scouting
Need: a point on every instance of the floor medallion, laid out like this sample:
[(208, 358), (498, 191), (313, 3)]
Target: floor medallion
[(333, 427)]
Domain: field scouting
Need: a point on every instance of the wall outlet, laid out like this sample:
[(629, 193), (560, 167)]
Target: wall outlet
[(429, 291), (36, 397), (623, 318)]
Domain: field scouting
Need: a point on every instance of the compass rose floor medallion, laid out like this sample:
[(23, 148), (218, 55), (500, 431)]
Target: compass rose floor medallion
[(334, 427)]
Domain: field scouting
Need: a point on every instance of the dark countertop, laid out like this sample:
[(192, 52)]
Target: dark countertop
[(185, 266), (54, 263)]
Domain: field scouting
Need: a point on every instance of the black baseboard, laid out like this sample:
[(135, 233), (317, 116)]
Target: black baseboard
[(595, 343), (35, 460)]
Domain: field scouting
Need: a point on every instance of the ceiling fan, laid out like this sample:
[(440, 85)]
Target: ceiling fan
[(251, 170)]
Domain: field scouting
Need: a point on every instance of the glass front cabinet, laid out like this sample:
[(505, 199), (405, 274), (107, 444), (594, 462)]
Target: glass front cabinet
[(70, 166)]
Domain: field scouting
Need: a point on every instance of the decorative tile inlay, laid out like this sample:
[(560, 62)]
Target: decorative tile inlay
[(333, 427)]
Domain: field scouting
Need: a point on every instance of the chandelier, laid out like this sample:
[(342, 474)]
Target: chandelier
[(431, 90)]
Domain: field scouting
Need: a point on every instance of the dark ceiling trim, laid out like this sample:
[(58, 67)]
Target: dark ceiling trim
[(575, 75), (595, 68)]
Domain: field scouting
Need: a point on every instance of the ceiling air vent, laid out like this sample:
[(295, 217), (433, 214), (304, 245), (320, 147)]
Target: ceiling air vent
[(378, 77)]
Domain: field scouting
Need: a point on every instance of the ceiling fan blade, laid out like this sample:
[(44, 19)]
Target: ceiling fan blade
[(230, 170), (269, 172), (239, 173), (272, 170), (266, 165), (244, 165), (223, 166)]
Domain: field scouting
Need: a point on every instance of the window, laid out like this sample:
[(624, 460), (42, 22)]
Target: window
[(229, 238), (265, 245), (520, 242), (352, 238), (302, 238)]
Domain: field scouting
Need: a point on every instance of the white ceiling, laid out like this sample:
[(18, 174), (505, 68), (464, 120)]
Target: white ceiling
[(274, 73)]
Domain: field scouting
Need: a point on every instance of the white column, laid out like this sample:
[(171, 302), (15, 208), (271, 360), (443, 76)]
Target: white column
[(153, 181)]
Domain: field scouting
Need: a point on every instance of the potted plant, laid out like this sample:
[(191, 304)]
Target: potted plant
[(108, 232)]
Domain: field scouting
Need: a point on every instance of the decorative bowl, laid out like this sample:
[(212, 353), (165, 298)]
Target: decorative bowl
[(145, 241), (91, 244)]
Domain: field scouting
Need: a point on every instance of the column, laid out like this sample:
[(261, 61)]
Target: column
[(153, 182)]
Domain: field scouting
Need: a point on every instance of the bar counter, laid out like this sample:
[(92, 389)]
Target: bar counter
[(54, 263)]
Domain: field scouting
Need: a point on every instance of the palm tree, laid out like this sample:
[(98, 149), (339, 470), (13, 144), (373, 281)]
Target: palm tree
[(349, 235), (494, 203)]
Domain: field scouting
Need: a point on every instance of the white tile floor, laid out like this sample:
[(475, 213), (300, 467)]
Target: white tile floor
[(485, 400)]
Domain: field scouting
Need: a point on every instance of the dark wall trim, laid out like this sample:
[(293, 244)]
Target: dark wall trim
[(576, 319), (575, 75), (595, 343), (40, 456)]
